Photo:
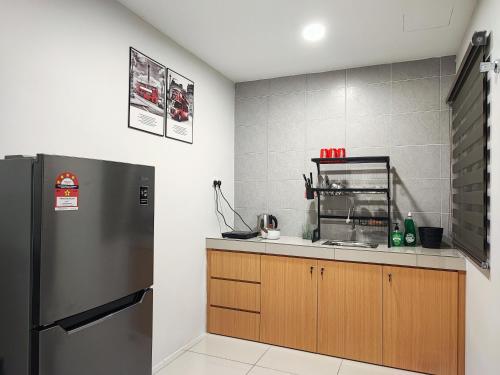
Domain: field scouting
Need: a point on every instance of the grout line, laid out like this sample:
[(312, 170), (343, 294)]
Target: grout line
[(219, 357), (341, 363)]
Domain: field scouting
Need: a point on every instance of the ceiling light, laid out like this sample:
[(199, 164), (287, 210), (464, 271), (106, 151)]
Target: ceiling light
[(313, 32)]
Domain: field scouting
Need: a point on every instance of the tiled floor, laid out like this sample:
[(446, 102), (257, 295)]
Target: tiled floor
[(219, 355)]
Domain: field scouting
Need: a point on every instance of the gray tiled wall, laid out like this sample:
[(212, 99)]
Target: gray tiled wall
[(395, 109)]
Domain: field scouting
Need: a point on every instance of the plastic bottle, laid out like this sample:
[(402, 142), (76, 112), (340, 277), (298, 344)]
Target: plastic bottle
[(410, 238), (397, 236)]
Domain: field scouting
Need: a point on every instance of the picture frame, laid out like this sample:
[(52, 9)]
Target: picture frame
[(179, 115), (146, 94)]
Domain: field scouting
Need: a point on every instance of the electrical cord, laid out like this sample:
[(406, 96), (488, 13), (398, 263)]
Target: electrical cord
[(243, 221), (217, 209)]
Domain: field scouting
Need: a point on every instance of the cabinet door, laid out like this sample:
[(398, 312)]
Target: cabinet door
[(289, 302), (350, 310), (421, 320)]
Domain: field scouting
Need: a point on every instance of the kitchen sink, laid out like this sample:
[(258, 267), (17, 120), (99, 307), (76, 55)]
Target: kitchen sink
[(365, 245)]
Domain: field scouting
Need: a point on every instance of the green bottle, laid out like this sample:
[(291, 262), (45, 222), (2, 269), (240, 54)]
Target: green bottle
[(410, 233), (397, 236)]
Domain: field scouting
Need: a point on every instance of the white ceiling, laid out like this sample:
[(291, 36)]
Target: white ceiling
[(253, 39)]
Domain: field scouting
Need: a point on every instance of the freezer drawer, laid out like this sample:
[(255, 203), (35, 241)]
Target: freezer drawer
[(119, 344), (103, 250)]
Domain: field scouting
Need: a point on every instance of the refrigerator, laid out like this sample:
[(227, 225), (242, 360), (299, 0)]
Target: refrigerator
[(76, 266)]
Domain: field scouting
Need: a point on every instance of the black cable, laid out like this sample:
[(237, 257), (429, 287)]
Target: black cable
[(217, 208), (216, 214), (243, 221)]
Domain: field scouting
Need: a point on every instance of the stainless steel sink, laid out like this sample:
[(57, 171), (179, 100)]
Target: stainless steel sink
[(365, 245)]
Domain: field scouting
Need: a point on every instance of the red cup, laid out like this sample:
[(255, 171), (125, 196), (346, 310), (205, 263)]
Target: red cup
[(341, 152), (336, 152), (323, 153)]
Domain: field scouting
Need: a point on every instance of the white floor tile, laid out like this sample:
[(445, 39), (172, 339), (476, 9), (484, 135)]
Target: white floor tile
[(230, 348), (358, 368), (300, 363), (199, 364), (266, 371)]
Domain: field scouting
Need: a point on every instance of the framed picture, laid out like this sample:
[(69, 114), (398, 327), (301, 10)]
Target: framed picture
[(180, 107), (146, 99)]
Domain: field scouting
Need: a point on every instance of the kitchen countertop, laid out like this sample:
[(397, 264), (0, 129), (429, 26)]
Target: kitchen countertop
[(446, 258)]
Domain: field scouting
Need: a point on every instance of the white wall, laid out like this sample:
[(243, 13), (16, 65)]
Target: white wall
[(64, 79), (483, 293)]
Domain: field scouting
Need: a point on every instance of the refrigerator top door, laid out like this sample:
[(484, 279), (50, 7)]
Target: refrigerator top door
[(96, 246)]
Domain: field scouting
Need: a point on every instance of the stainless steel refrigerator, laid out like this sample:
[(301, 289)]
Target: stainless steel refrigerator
[(76, 266)]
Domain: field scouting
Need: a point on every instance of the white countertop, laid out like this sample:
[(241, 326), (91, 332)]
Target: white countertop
[(417, 256)]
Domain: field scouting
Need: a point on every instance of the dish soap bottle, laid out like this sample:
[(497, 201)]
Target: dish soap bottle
[(397, 236), (410, 233)]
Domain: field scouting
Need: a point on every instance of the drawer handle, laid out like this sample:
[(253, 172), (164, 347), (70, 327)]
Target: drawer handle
[(390, 278), (312, 269), (322, 271)]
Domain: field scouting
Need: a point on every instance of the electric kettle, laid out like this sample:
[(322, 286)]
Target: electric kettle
[(265, 222)]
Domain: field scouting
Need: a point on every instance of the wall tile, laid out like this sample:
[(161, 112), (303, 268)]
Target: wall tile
[(251, 111), (286, 136), (416, 161), (415, 95), (250, 139), (250, 167), (445, 196), (287, 85), (288, 107), (425, 219), (368, 131), (325, 104), (418, 128), (249, 215), (418, 195), (394, 110), (446, 83), (416, 69), (445, 162), (287, 194), (325, 134), (445, 125), (445, 224), (252, 89), (290, 221), (250, 194), (369, 74), (326, 80), (367, 171), (287, 165), (369, 100), (448, 65)]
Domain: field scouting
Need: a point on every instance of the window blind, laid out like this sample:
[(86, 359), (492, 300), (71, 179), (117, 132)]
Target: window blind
[(469, 154)]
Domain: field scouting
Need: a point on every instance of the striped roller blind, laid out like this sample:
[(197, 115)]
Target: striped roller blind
[(469, 103)]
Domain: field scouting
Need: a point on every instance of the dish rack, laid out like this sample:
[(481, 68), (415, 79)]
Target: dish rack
[(318, 192)]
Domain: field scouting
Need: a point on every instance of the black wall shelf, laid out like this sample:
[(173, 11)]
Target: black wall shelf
[(344, 191)]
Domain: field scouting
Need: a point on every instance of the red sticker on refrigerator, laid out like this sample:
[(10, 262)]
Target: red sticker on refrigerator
[(66, 193)]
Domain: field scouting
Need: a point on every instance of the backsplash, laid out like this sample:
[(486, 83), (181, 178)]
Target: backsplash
[(394, 109)]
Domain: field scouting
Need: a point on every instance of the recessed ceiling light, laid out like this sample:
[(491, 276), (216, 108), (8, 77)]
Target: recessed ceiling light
[(313, 32)]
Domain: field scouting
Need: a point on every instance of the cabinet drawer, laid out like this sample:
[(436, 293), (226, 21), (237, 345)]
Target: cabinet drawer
[(234, 323), (235, 294), (234, 266)]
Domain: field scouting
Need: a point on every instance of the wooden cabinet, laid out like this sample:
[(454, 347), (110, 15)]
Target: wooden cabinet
[(289, 302), (350, 310), (233, 307), (403, 317), (234, 265), (421, 320)]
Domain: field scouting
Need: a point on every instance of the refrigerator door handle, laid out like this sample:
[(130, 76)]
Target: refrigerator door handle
[(96, 316)]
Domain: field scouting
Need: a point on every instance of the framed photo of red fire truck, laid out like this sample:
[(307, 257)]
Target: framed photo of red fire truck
[(180, 107), (147, 88)]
